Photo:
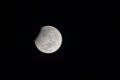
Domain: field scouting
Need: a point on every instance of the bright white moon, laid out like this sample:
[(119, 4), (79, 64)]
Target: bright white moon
[(48, 40)]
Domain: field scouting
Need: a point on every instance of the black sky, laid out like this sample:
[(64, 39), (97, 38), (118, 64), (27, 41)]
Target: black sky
[(73, 56)]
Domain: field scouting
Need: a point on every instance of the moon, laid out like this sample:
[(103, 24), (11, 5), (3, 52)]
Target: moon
[(48, 40)]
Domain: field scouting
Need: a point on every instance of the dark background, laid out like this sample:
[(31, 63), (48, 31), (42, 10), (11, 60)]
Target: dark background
[(115, 23), (74, 55)]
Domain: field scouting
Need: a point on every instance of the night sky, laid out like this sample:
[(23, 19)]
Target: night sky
[(75, 53), (115, 23)]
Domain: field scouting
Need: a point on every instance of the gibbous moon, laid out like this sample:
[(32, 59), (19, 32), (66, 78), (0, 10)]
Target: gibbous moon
[(49, 39)]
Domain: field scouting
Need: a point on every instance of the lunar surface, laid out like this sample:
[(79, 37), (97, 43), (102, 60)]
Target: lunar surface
[(48, 40)]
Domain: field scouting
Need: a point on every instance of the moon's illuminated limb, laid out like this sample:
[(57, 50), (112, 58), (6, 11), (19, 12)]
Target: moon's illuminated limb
[(48, 40)]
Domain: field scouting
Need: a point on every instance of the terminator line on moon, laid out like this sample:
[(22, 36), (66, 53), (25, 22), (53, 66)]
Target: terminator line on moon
[(48, 40)]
